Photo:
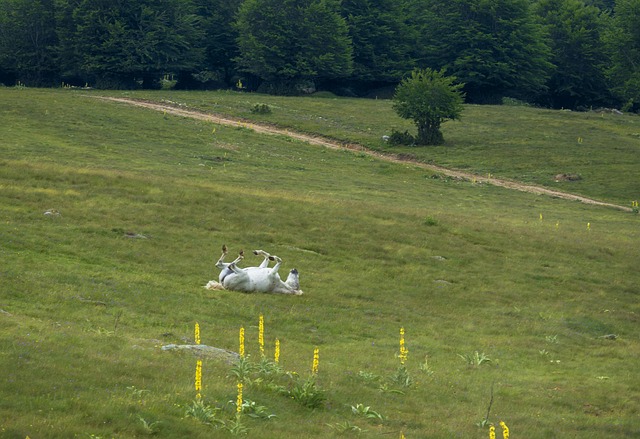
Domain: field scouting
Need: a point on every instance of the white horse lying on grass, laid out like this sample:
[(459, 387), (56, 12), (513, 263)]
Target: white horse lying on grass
[(261, 279)]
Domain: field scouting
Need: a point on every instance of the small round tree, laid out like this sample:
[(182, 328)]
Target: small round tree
[(429, 98)]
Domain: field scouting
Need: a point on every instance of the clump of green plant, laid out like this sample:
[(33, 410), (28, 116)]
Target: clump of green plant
[(253, 410), (552, 338), (149, 428), (397, 138), (476, 359), (366, 412), (369, 377), (261, 109), (236, 427), (269, 375), (424, 367), (243, 369), (430, 221), (308, 393), (203, 412), (402, 377)]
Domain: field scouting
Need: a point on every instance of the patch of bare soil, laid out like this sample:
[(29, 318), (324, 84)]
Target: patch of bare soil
[(329, 143)]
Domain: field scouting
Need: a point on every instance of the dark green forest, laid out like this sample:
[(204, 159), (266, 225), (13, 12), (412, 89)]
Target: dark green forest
[(556, 53)]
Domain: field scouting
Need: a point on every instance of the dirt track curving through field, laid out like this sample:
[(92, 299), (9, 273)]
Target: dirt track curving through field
[(176, 110)]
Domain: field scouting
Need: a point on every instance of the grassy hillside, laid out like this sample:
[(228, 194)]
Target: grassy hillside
[(141, 203), (518, 143)]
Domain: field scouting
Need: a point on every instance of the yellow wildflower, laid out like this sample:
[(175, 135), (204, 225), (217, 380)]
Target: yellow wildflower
[(403, 351), (197, 333), (316, 361), (239, 400), (492, 432), (198, 381), (505, 430), (261, 335), (276, 356), (242, 341)]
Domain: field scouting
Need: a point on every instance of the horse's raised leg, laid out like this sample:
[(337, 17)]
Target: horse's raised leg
[(267, 257), (233, 267), (220, 264), (276, 267)]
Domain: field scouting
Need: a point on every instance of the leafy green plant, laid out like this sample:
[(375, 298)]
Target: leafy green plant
[(253, 410), (401, 138), (424, 367), (402, 377), (236, 427), (137, 393), (203, 412), (261, 109), (149, 428), (308, 393), (369, 377), (430, 221), (366, 412), (268, 369), (476, 359), (242, 369)]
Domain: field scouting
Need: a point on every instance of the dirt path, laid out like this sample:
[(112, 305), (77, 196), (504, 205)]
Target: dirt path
[(328, 143)]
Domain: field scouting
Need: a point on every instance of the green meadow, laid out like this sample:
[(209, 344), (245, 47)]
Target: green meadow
[(515, 307)]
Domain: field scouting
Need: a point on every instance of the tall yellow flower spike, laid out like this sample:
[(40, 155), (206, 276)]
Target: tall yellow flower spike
[(197, 333), (403, 351), (276, 355), (241, 341), (492, 432), (239, 400), (198, 381), (402, 435), (261, 335), (316, 361), (505, 430)]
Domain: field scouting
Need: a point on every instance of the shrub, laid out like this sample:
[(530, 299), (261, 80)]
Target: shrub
[(397, 138), (429, 98), (261, 109)]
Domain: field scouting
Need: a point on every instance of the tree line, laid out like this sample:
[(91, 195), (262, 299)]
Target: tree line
[(556, 53)]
